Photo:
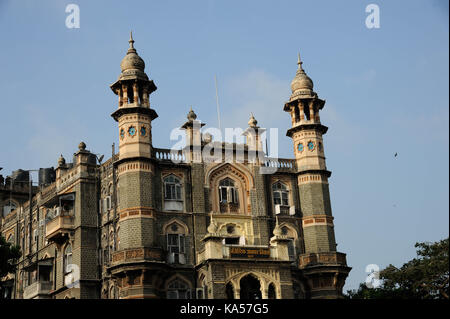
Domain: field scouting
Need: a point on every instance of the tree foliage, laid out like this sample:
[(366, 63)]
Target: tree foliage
[(8, 257), (424, 277)]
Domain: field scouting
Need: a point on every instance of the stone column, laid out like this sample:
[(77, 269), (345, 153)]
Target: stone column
[(237, 292), (302, 113), (135, 94), (311, 111), (120, 94), (125, 94), (145, 97)]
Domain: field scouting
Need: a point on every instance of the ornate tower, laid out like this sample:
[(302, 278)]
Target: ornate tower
[(134, 113), (323, 267), (135, 179)]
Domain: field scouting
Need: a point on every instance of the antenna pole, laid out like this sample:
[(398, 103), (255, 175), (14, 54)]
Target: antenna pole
[(217, 102)]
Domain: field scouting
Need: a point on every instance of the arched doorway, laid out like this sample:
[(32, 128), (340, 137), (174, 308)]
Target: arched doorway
[(271, 293), (250, 288)]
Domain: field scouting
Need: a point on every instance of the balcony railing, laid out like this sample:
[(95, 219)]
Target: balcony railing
[(59, 226), (37, 289), (325, 258)]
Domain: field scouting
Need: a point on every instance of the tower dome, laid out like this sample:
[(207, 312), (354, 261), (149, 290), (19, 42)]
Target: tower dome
[(301, 81), (132, 61)]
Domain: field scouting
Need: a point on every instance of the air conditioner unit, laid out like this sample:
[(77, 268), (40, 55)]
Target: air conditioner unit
[(58, 211), (292, 210), (277, 209), (181, 259)]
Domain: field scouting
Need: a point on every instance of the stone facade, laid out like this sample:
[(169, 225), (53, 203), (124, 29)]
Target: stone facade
[(151, 223)]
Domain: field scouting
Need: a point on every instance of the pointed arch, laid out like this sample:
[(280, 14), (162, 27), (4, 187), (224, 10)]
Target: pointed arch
[(242, 182), (182, 227), (236, 168)]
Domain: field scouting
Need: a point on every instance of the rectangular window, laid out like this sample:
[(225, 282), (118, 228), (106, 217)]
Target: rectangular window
[(291, 250), (168, 191), (178, 192), (172, 243), (285, 198), (223, 195), (172, 191), (276, 198)]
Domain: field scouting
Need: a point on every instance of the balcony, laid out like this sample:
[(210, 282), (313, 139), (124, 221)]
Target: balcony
[(59, 227), (38, 290), (325, 258)]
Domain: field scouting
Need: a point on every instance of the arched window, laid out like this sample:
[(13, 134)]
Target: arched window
[(172, 188), (291, 234), (173, 199), (280, 194), (227, 192), (67, 260), (176, 243), (178, 289)]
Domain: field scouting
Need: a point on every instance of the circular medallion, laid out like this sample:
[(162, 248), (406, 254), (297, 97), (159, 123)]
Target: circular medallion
[(132, 131), (310, 145), (143, 131), (300, 147)]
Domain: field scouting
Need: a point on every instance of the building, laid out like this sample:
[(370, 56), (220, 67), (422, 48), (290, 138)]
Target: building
[(226, 222)]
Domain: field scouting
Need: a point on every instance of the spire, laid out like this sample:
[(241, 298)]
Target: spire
[(131, 41), (299, 62), (277, 230), (131, 49)]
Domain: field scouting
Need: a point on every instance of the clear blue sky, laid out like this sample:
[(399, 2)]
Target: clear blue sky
[(386, 91)]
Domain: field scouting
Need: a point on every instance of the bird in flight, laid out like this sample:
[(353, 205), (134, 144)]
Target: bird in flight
[(395, 155)]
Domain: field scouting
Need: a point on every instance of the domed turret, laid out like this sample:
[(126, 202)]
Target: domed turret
[(132, 65), (61, 161), (301, 81), (132, 61)]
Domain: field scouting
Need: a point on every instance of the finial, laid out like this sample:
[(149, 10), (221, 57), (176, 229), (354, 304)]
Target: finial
[(191, 115), (277, 230), (82, 146), (252, 122), (299, 62), (212, 228), (131, 41), (61, 161)]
